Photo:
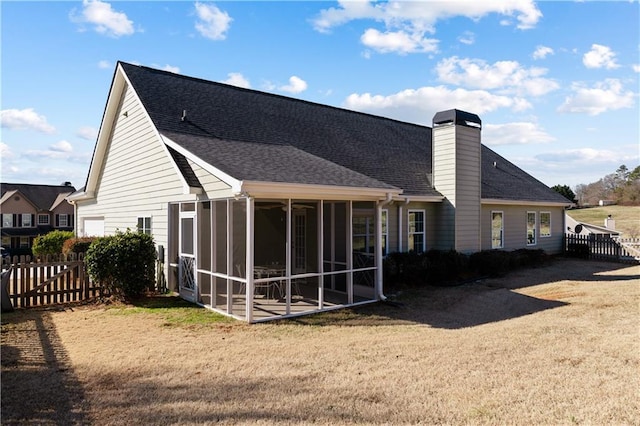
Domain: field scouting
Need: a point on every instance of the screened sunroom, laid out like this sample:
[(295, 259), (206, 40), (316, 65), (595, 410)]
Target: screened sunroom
[(263, 259)]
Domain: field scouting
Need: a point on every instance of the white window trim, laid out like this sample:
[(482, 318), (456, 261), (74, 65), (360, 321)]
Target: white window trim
[(143, 229), (66, 219), (45, 216), (501, 229), (10, 216), (549, 234), (535, 228), (27, 245), (30, 222), (424, 231)]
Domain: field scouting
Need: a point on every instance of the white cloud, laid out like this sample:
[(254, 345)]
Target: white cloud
[(398, 41), (105, 20), (518, 133), (636, 67), (605, 96), (87, 133), (5, 151), (237, 79), (212, 23), (541, 52), (424, 15), (600, 57), (581, 155), (104, 65), (22, 119), (507, 75), (170, 68), (62, 146), (420, 105), (467, 38), (296, 85)]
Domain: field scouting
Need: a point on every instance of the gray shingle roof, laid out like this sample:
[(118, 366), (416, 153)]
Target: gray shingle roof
[(42, 196), (261, 136)]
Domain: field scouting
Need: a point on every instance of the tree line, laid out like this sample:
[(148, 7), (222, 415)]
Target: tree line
[(621, 187)]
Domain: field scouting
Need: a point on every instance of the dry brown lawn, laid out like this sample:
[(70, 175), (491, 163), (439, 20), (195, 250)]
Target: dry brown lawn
[(554, 345)]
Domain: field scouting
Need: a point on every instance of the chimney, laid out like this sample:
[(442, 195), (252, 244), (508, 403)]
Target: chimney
[(456, 175), (610, 223)]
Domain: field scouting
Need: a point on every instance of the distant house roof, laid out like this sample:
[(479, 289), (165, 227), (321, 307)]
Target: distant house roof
[(261, 136), (43, 197)]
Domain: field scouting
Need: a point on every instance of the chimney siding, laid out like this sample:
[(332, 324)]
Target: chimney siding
[(456, 175)]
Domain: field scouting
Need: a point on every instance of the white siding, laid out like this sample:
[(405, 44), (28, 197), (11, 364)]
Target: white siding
[(138, 177), (213, 187), (515, 227)]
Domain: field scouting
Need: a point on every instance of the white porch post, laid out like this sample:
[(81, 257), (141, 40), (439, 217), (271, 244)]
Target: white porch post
[(249, 259), (349, 247), (230, 267), (321, 254), (378, 249), (288, 257)]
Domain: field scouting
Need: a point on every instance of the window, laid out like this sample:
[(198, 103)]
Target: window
[(384, 218), (43, 219), (144, 225), (545, 224), (363, 233), (7, 220), (63, 220), (26, 220), (497, 230), (531, 228), (416, 231), (24, 242), (6, 242)]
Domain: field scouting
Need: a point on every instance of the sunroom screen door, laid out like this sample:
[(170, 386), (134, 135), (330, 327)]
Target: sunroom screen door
[(187, 254)]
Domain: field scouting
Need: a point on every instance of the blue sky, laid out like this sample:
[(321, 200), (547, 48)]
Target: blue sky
[(556, 84)]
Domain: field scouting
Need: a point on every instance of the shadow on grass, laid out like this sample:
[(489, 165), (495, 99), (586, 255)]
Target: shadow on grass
[(39, 385)]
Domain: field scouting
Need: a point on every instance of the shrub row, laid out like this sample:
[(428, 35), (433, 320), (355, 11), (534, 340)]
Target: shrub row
[(437, 267)]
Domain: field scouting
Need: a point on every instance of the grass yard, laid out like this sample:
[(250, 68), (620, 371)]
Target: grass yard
[(554, 345), (627, 218)]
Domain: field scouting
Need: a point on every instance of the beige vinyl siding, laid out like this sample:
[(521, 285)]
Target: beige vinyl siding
[(456, 174), (138, 178), (515, 227), (213, 186), (394, 230)]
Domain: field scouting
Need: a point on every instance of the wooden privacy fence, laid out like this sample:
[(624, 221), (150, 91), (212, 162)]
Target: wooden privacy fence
[(624, 250), (46, 280)]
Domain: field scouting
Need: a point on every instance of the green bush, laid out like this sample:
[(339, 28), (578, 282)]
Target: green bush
[(124, 263), (50, 243), (77, 245)]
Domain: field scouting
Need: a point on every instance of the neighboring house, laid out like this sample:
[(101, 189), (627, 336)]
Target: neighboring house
[(264, 206), (30, 210), (595, 232)]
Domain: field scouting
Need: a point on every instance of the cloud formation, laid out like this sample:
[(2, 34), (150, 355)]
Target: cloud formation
[(25, 119), (104, 19), (604, 96), (406, 24), (542, 52), (420, 105), (87, 133), (238, 80), (600, 57), (212, 22), (517, 133), (296, 85), (509, 76)]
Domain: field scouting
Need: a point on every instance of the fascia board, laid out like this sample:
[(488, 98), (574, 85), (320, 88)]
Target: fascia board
[(235, 184), (258, 189), (524, 202), (419, 198)]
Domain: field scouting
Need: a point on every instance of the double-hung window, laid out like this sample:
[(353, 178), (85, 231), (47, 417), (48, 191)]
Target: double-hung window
[(63, 220), (7, 220), (384, 217), (416, 231), (531, 228), (144, 225), (43, 219), (545, 224), (26, 220)]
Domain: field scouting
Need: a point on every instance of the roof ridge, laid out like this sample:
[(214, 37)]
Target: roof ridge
[(275, 95)]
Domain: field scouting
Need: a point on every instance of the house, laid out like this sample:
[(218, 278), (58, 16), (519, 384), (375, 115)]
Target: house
[(264, 206), (30, 210), (594, 232)]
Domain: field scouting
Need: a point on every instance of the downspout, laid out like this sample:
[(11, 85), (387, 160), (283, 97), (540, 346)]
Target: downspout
[(378, 245)]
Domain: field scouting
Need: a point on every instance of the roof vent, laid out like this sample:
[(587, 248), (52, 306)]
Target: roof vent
[(184, 115)]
